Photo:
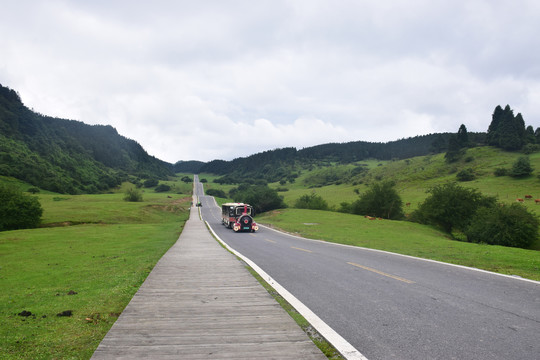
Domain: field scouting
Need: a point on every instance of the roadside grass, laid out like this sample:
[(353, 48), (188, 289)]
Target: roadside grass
[(91, 270), (416, 175), (403, 237)]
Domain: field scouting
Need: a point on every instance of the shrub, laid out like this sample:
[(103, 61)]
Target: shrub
[(33, 190), (133, 195), (522, 167), (260, 197), (500, 172), (312, 201), (345, 207), (150, 183), (466, 175), (204, 181), (380, 200), (186, 179), (451, 206), (18, 210), (216, 193), (162, 188), (510, 225), (531, 148)]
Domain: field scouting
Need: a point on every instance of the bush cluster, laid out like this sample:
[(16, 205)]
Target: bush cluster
[(162, 188), (217, 193), (133, 195), (455, 208), (18, 210), (380, 200), (261, 197), (311, 201)]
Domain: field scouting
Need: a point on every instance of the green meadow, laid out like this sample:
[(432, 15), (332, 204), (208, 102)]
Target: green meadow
[(413, 177), (62, 286), (403, 237)]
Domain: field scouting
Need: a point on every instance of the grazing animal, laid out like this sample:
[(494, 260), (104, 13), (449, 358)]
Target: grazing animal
[(537, 201), (408, 204), (519, 200), (528, 196)]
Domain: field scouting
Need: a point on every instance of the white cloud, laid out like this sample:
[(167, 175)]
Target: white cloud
[(186, 78)]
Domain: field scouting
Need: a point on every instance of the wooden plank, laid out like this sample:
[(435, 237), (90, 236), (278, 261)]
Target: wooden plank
[(199, 302)]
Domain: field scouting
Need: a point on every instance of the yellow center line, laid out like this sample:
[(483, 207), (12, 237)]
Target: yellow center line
[(382, 273), (272, 241), (292, 247)]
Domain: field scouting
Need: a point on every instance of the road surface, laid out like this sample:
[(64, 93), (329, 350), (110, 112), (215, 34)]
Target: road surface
[(390, 306)]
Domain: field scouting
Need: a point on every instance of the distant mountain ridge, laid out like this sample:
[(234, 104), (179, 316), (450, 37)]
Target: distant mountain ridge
[(281, 164), (68, 156)]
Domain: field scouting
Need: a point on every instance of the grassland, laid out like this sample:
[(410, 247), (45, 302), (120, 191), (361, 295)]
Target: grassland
[(413, 178), (416, 175), (403, 237), (87, 262)]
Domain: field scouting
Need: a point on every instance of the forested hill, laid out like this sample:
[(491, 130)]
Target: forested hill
[(282, 163), (68, 156)]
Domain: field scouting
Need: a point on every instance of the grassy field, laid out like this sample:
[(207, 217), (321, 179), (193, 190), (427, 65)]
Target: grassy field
[(403, 237), (63, 286), (94, 251), (413, 178)]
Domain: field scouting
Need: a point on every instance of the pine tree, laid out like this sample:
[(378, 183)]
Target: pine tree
[(463, 136), (506, 130)]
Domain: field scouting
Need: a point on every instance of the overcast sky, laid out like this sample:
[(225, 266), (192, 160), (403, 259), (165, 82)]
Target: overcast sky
[(204, 80)]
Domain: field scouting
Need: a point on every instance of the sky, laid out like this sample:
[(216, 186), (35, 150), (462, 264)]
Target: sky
[(204, 80)]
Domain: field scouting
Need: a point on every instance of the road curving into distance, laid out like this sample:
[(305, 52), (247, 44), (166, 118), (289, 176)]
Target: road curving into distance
[(390, 306)]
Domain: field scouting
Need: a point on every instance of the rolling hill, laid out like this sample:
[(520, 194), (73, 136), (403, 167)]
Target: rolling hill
[(68, 156)]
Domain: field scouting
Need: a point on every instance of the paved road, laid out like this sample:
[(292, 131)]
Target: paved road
[(394, 307)]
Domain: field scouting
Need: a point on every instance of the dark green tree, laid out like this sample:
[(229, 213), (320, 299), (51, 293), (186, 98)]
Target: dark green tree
[(18, 210), (438, 145), (216, 193), (162, 188), (261, 197), (133, 195), (466, 175), (380, 200), (506, 130), (511, 225), (521, 167), (493, 134), (150, 183), (463, 136), (530, 138), (451, 206), (311, 201), (455, 151)]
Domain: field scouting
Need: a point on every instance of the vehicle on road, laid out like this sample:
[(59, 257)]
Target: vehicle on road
[(239, 217)]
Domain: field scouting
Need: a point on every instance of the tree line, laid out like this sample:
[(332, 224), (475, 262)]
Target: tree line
[(68, 156)]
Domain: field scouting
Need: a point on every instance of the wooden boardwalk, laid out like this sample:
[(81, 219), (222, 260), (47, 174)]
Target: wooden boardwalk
[(200, 302)]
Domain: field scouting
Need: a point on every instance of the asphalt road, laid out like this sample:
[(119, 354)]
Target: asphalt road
[(390, 306)]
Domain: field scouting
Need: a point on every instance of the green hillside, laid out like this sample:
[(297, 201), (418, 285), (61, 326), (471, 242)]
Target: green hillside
[(416, 175), (68, 156)]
